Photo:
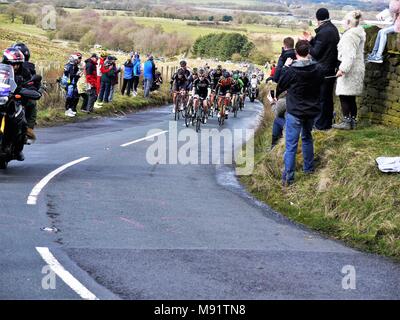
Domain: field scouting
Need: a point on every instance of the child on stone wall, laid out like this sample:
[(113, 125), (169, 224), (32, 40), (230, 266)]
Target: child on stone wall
[(380, 43)]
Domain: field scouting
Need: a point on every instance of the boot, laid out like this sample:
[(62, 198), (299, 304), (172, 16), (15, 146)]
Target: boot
[(19, 156), (30, 134), (353, 123), (344, 125), (275, 140)]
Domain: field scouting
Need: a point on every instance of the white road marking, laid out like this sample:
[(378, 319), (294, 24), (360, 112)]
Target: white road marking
[(143, 139), (67, 277), (32, 199)]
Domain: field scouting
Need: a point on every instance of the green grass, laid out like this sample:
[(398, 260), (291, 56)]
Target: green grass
[(347, 198), (121, 105), (18, 26)]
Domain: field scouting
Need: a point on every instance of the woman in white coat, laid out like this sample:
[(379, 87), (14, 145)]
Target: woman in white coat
[(351, 71)]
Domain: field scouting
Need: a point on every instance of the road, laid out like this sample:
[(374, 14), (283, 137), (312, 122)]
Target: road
[(129, 229)]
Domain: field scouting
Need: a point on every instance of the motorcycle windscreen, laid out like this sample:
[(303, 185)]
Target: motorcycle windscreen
[(7, 80)]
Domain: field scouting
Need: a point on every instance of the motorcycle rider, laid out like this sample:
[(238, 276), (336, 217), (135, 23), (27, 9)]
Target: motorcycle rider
[(30, 107), (254, 83), (16, 59)]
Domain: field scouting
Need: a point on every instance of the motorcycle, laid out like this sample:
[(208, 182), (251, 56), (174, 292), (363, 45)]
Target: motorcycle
[(13, 123), (253, 92)]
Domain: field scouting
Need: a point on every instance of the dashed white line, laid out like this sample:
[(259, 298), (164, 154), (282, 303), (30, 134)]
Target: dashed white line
[(143, 139), (32, 198), (67, 277)]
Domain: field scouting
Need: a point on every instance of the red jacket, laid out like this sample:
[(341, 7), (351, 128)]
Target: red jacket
[(91, 72)]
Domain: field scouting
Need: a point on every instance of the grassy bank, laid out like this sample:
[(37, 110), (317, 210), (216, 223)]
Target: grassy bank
[(121, 105), (347, 198)]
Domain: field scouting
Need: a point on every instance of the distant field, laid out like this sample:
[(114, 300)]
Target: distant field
[(253, 31)]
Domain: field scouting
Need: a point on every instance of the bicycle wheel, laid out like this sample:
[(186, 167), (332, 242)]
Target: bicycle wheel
[(176, 114), (188, 116)]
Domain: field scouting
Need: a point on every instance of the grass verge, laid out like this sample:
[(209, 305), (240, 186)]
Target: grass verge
[(121, 105), (347, 198)]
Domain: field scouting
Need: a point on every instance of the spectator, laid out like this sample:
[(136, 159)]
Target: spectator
[(136, 73), (115, 78), (103, 57), (82, 86), (158, 80), (128, 77), (91, 79), (149, 75), (302, 80), (108, 74), (351, 71), (279, 107), (70, 79), (380, 42), (324, 51), (272, 73)]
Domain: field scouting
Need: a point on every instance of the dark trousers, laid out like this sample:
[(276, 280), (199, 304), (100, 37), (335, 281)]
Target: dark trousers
[(127, 85), (349, 106), (92, 97), (277, 130), (135, 83), (104, 91), (325, 119), (31, 113), (85, 99)]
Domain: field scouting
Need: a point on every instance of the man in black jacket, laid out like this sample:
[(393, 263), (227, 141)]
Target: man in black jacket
[(302, 80), (324, 51)]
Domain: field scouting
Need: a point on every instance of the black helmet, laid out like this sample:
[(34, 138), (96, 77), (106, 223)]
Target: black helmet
[(183, 63), (13, 56), (24, 49), (202, 72)]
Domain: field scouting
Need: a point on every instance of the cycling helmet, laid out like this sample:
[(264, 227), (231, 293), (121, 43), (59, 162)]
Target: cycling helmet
[(13, 56), (236, 76), (78, 54), (24, 49), (202, 73), (219, 67), (226, 74), (183, 63), (104, 54)]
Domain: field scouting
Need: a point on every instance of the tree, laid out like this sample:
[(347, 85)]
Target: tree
[(12, 13), (227, 18)]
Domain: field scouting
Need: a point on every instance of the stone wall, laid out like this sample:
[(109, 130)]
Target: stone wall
[(380, 103)]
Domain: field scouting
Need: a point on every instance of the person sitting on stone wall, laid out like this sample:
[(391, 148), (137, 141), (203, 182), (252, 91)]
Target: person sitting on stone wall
[(380, 43)]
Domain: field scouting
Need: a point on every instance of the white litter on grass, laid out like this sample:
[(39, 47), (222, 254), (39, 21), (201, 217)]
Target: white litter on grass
[(388, 164)]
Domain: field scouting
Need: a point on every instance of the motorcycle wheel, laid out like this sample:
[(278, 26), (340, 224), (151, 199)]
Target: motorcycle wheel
[(3, 164)]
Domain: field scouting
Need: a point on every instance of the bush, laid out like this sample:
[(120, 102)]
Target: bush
[(222, 46)]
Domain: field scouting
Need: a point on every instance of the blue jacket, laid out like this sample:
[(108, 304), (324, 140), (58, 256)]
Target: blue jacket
[(149, 69), (128, 70), (136, 68)]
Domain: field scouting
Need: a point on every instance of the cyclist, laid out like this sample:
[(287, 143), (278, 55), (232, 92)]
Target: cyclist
[(246, 82), (201, 87), (215, 76), (236, 88), (180, 82), (223, 92)]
